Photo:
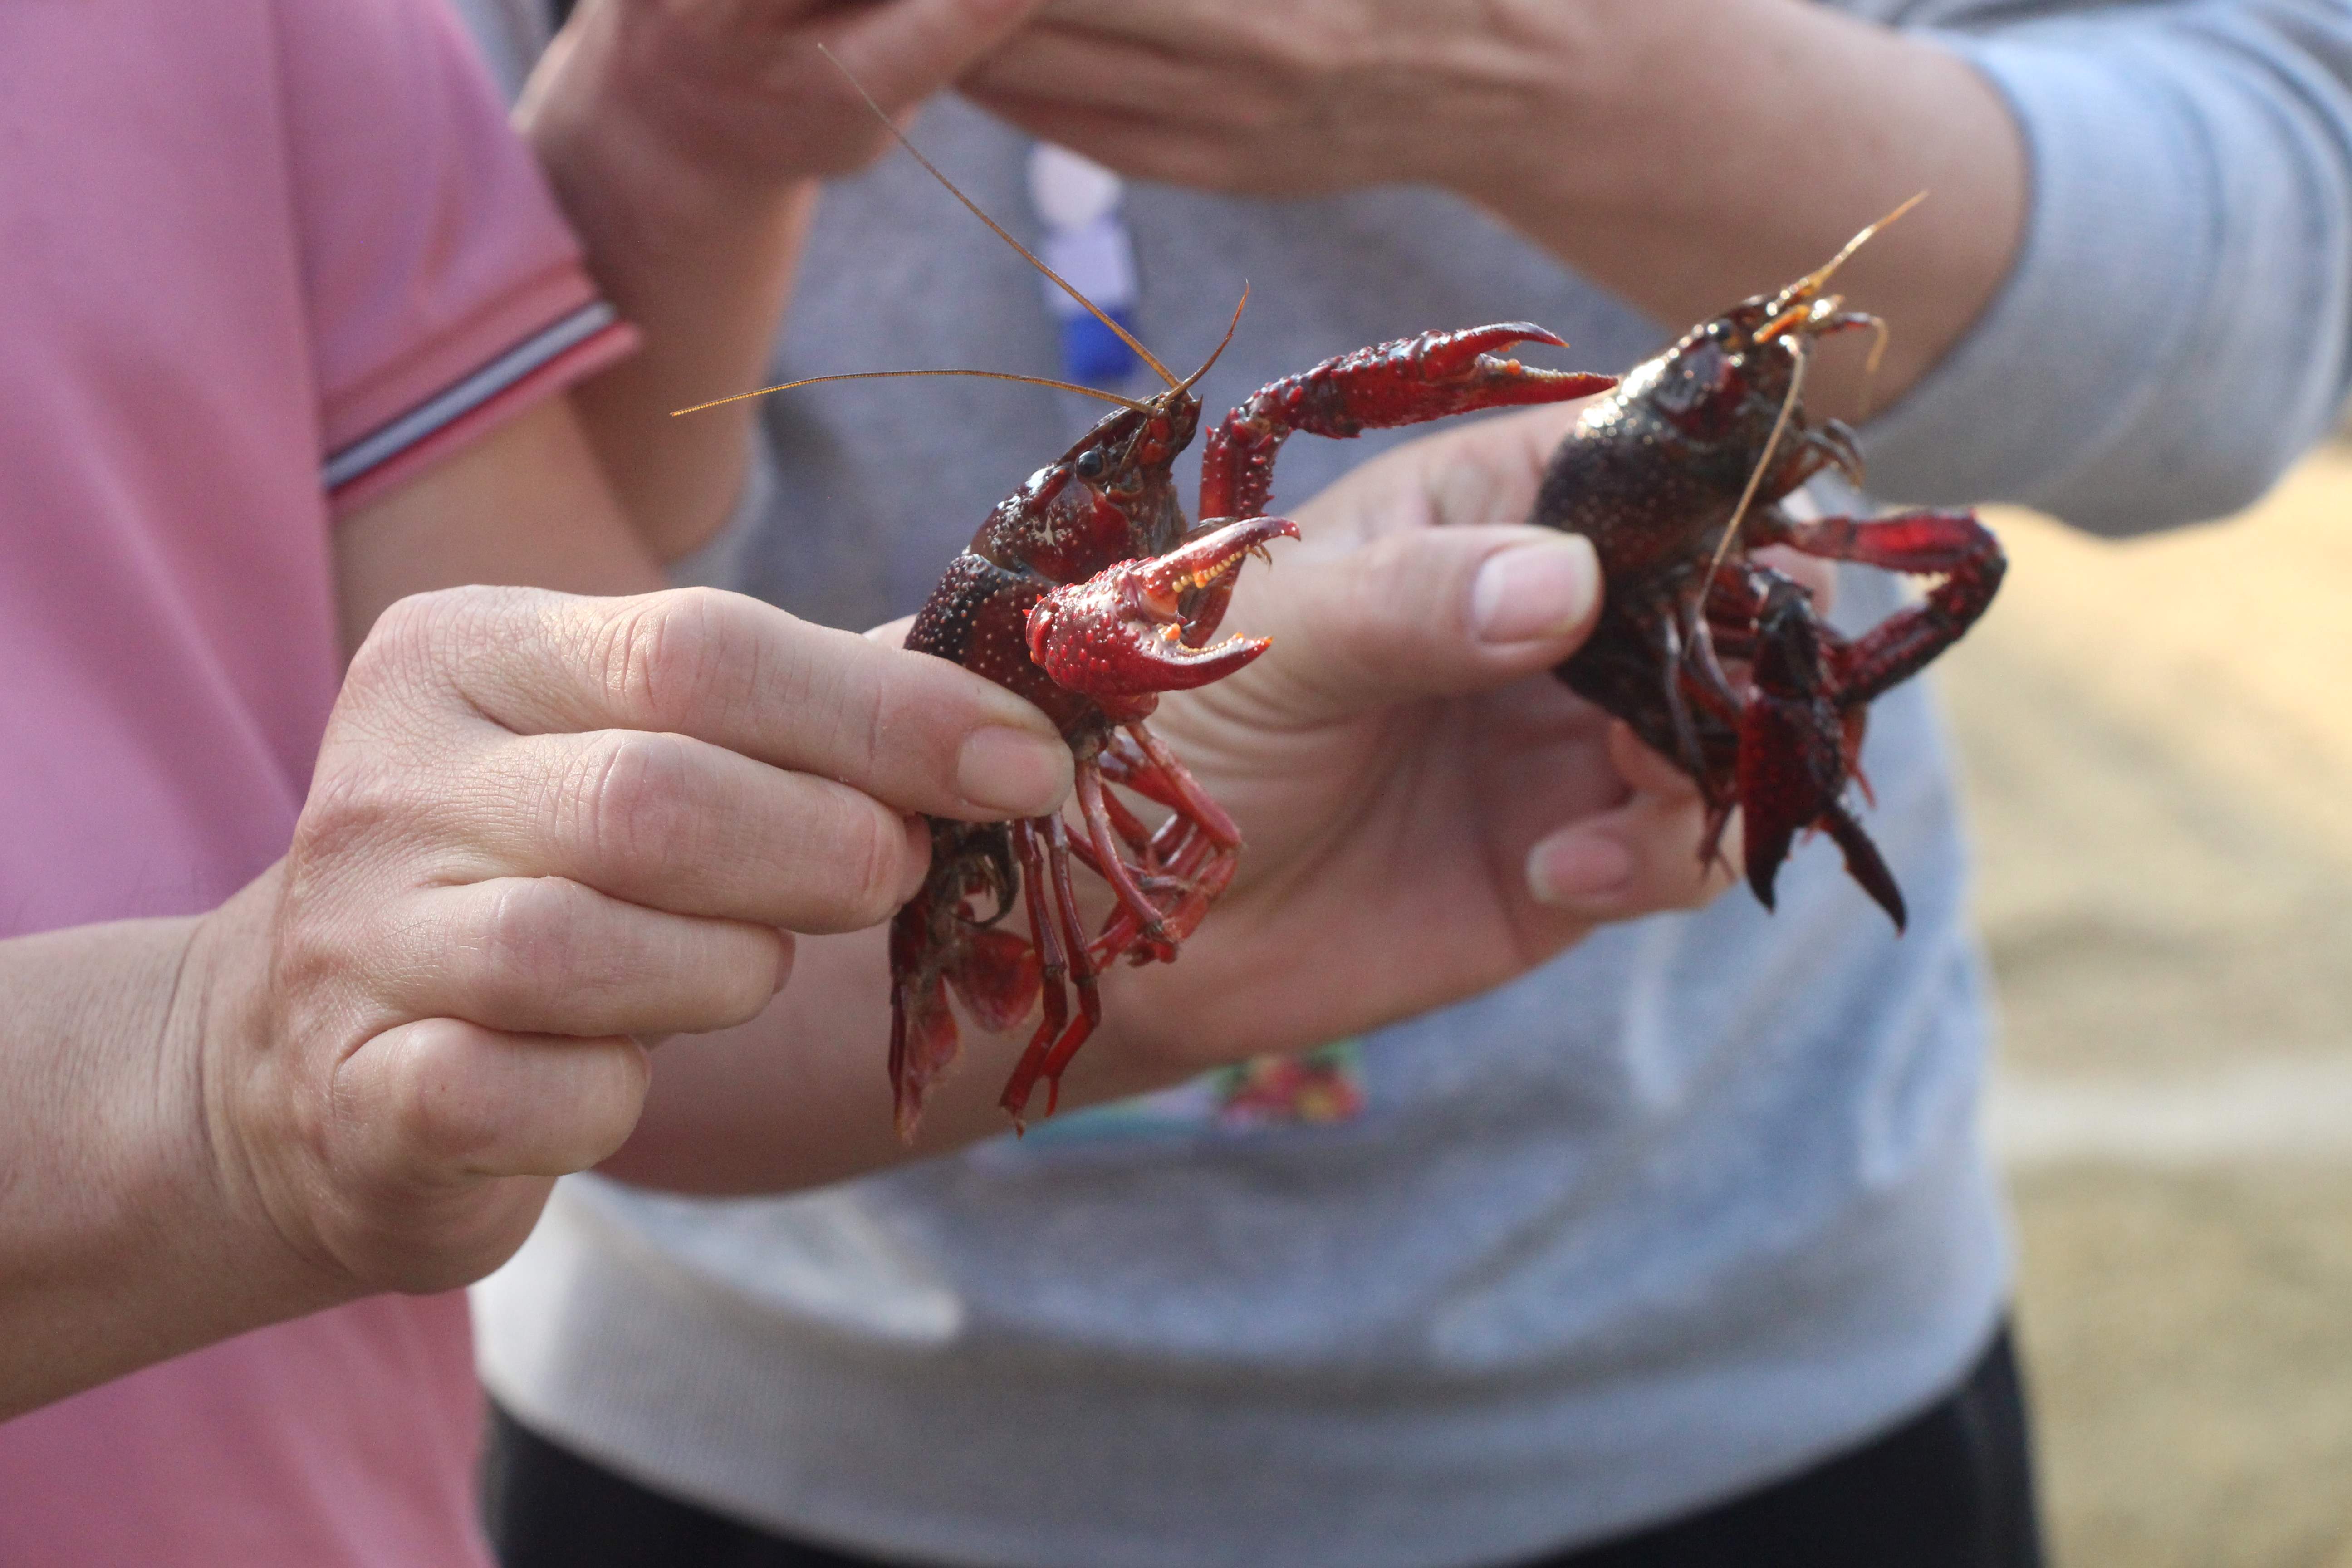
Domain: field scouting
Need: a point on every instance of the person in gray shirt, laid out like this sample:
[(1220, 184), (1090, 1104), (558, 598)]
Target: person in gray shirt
[(1687, 1231)]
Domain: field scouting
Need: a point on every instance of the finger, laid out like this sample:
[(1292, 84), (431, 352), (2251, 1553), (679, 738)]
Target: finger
[(1215, 28), (1067, 68), (916, 731), (1639, 860), (1640, 857), (1485, 472), (1432, 611), (1644, 770), (1200, 155), (674, 824), (441, 1102), (904, 51), (548, 956)]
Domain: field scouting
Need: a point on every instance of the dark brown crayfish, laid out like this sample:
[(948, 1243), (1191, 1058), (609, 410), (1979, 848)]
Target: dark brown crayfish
[(1715, 661)]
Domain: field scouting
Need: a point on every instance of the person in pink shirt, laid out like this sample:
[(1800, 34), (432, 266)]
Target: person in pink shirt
[(334, 911), (292, 315)]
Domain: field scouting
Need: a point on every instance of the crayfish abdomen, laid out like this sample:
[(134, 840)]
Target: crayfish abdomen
[(1716, 660)]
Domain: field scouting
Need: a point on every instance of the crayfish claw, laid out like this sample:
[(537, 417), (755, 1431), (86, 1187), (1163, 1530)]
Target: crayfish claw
[(1124, 636)]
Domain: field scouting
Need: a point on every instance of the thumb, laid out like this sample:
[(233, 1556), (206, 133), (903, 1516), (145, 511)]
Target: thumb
[(1421, 612)]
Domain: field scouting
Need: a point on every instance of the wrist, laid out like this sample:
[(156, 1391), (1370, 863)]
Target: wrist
[(260, 1155), (128, 1238)]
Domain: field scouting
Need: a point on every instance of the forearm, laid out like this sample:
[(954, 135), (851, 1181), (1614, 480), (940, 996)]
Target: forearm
[(1720, 148), (694, 249), (801, 1096), (124, 1236), (2174, 334)]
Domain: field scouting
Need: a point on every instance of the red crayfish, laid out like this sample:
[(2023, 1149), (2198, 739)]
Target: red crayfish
[(1676, 476), (1086, 593)]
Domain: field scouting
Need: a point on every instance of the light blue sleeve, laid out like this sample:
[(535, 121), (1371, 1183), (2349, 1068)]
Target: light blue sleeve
[(2177, 328)]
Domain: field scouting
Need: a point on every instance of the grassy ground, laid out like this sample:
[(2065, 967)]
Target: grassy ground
[(2158, 738)]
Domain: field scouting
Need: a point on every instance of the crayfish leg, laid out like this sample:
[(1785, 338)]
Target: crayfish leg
[(1104, 838), (1046, 931), (1053, 921), (1950, 544), (1865, 864)]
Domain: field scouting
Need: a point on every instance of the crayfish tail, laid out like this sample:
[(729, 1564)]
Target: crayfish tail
[(1866, 866), (924, 1044)]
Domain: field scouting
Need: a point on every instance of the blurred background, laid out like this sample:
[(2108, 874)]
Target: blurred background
[(2157, 742)]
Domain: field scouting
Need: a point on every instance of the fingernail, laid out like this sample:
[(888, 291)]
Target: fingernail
[(1541, 589), (1578, 867), (1013, 771)]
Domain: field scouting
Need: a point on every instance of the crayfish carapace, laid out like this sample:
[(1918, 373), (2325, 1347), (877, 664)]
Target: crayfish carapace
[(1085, 592), (1715, 661)]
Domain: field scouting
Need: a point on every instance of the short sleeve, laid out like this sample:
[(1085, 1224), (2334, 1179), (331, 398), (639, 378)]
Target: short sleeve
[(444, 292)]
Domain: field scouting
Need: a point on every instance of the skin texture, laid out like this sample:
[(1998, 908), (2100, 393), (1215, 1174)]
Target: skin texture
[(1682, 154)]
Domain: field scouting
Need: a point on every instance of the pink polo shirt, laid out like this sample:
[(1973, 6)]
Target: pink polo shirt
[(260, 260)]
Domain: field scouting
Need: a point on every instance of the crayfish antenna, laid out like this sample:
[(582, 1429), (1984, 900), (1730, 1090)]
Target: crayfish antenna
[(1810, 285), (1231, 327), (886, 375), (996, 228), (1763, 462)]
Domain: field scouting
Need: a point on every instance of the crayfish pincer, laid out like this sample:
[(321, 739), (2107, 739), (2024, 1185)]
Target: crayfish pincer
[(1085, 592), (1715, 661)]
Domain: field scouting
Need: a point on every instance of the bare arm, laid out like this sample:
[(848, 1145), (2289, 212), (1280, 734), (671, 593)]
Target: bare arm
[(540, 826), (1685, 153)]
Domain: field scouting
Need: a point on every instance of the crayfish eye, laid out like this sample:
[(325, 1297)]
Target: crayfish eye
[(1090, 463)]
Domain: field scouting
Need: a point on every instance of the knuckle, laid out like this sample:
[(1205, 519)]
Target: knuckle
[(351, 802), (525, 953), (417, 636), (439, 1119), (859, 867), (628, 801), (745, 983), (664, 657)]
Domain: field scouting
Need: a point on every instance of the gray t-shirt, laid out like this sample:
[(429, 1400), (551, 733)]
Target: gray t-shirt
[(1695, 1203)]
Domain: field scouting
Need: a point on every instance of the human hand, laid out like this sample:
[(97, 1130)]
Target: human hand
[(738, 86), (1682, 154), (1319, 95), (1428, 811), (541, 828)]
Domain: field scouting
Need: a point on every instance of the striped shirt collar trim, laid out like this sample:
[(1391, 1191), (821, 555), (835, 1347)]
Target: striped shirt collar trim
[(381, 446)]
